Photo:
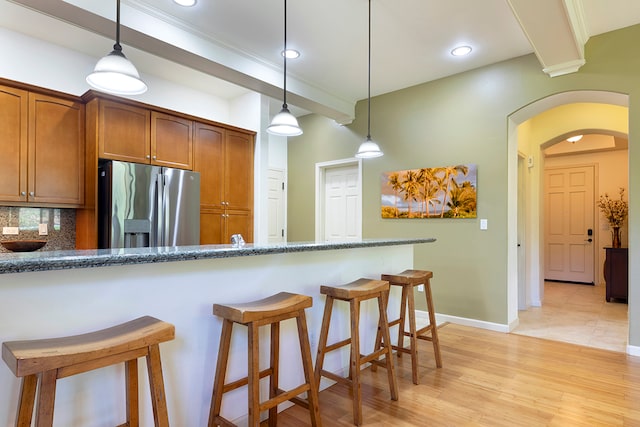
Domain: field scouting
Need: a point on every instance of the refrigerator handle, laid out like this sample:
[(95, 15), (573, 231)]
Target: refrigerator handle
[(160, 210)]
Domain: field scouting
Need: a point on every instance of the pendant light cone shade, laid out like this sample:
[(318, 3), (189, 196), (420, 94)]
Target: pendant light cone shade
[(284, 123), (369, 149), (114, 73)]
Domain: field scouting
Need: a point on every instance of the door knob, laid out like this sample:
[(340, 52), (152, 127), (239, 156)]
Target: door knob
[(589, 240)]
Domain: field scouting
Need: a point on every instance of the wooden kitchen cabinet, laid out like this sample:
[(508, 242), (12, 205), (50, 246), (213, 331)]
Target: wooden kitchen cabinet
[(171, 141), (14, 104), (217, 226), (616, 273), (42, 140), (224, 159), (137, 134), (124, 132)]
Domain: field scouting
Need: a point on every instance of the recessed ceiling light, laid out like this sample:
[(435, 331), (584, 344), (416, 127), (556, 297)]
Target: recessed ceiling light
[(185, 2), (290, 53), (461, 51)]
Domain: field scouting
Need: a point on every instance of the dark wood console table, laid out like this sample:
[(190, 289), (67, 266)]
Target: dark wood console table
[(616, 273)]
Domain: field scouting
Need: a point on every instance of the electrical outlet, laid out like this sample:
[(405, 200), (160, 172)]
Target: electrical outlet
[(420, 288), (10, 230), (43, 230)]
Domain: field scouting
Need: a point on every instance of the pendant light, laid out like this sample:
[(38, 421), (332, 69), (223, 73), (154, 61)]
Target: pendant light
[(114, 73), (369, 149), (284, 123)]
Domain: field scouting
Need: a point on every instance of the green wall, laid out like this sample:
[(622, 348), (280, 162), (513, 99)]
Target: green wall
[(456, 120)]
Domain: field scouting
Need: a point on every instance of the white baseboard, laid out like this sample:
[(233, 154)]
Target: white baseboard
[(423, 316), (633, 350)]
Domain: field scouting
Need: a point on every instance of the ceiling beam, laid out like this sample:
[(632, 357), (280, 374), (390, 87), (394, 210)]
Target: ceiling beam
[(159, 38), (556, 31)]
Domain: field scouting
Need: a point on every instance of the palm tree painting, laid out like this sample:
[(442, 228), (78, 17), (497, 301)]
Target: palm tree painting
[(441, 192)]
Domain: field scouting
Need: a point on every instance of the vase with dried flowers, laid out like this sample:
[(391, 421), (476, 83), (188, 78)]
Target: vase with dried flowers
[(615, 211)]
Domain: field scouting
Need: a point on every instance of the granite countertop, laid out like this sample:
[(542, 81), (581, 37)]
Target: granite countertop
[(59, 260)]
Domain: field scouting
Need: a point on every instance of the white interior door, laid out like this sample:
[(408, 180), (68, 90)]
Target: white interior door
[(569, 224), (276, 206), (342, 204)]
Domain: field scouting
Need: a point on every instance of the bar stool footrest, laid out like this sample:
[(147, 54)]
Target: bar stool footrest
[(245, 381), (283, 396), (223, 422)]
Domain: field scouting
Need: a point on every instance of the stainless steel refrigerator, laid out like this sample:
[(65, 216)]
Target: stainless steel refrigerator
[(147, 206)]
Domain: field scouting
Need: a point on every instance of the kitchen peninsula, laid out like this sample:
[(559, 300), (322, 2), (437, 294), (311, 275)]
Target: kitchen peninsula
[(63, 293)]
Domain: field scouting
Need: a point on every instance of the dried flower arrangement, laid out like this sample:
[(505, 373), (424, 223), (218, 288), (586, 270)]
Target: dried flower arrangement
[(615, 211)]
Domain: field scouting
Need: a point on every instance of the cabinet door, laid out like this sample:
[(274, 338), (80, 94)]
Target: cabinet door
[(238, 192), (56, 150), (13, 144), (171, 141), (239, 222), (208, 161), (124, 132), (211, 226)]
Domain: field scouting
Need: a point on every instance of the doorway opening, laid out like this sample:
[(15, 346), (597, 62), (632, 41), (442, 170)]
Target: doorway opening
[(547, 123)]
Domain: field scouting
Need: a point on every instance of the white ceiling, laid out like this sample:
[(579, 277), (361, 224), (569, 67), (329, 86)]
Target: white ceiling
[(239, 41)]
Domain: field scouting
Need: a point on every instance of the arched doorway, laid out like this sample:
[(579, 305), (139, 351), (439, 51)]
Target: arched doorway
[(518, 125)]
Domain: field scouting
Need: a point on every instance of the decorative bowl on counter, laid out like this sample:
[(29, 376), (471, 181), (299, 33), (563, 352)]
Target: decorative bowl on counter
[(23, 245)]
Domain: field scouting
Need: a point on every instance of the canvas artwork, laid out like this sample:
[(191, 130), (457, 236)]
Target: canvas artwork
[(441, 192)]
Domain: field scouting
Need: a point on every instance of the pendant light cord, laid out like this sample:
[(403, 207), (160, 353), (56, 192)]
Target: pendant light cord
[(117, 46), (284, 98), (369, 80)]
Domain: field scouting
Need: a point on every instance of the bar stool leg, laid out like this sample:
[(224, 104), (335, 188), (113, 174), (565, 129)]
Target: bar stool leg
[(156, 384), (322, 341), (254, 375), (413, 335), (221, 371), (27, 400), (354, 367), (401, 320), (273, 378), (434, 326), (131, 380), (305, 350), (46, 399), (383, 326)]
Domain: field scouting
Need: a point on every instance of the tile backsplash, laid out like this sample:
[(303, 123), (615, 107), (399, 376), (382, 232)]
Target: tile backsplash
[(60, 225)]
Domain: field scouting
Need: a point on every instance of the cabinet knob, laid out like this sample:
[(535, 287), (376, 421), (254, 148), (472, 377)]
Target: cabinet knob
[(155, 157), (24, 193), (31, 193), (148, 156)]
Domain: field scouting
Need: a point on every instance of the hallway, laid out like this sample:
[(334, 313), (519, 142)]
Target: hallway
[(577, 314)]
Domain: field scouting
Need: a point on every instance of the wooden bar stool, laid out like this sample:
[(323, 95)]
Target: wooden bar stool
[(268, 311), (354, 293), (409, 279), (47, 360)]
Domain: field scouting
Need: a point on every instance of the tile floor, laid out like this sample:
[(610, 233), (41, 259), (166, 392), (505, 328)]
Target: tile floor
[(577, 314)]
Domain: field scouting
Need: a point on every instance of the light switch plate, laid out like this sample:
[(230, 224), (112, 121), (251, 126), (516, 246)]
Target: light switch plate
[(10, 230), (43, 230), (483, 224)]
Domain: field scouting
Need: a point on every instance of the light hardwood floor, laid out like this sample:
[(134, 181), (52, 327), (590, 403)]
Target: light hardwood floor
[(577, 314), (494, 379)]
